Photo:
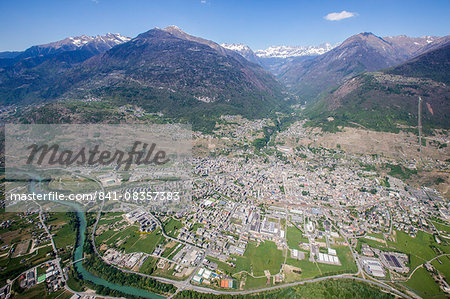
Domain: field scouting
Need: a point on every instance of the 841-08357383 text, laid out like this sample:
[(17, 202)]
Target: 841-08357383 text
[(98, 195)]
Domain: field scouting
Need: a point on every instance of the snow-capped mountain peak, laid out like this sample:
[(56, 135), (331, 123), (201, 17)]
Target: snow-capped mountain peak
[(92, 44), (243, 50), (236, 47), (110, 39), (294, 51)]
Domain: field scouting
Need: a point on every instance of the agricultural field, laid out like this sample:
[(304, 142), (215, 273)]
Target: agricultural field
[(18, 250), (171, 227), (419, 248), (63, 230), (422, 283), (21, 227), (348, 264), (443, 268), (442, 227), (71, 184), (131, 240), (308, 269), (111, 218), (294, 237), (11, 267), (258, 258), (142, 242), (255, 260), (39, 291)]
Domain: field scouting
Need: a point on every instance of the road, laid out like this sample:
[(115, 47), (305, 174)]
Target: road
[(186, 284), (58, 263), (421, 265), (10, 282)]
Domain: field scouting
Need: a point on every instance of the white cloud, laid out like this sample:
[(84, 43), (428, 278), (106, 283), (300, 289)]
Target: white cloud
[(203, 1), (337, 16), (95, 1)]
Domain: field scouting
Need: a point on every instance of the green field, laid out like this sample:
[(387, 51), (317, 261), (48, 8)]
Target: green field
[(148, 265), (442, 227), (110, 218), (39, 291), (11, 267), (147, 242), (419, 248), (309, 269), (346, 259), (294, 237), (422, 283), (266, 256), (443, 268), (254, 283), (139, 242), (170, 248), (113, 236), (171, 227), (133, 241), (63, 232)]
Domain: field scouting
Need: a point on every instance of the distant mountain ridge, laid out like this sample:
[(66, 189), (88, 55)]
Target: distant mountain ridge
[(244, 51), (90, 45), (293, 51), (167, 70), (433, 64), (364, 52), (382, 100), (164, 70), (277, 58), (97, 43)]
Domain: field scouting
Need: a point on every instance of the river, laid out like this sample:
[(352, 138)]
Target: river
[(78, 253)]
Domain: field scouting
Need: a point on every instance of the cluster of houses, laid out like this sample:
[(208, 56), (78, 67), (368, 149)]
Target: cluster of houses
[(48, 274)]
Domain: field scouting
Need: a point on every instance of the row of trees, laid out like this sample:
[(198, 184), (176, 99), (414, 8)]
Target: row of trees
[(323, 289)]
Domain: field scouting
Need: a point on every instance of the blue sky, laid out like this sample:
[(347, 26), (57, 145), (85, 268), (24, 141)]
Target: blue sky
[(257, 23)]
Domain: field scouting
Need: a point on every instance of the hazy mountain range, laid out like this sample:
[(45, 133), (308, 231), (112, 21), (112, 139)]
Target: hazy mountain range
[(357, 54), (173, 72), (162, 70), (385, 99)]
